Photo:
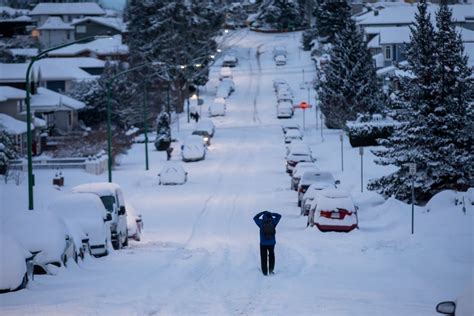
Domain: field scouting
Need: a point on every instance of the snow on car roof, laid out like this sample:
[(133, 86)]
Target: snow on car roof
[(230, 58), (336, 193), (293, 132), (99, 188), (333, 203), (78, 204), (280, 58), (321, 176)]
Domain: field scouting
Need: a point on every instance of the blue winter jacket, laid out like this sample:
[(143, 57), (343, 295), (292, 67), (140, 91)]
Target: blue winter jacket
[(259, 221)]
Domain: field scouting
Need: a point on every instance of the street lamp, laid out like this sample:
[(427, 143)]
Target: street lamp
[(41, 55)]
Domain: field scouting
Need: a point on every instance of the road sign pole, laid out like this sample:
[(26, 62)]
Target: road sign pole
[(341, 138), (304, 111), (361, 153), (322, 126), (412, 171)]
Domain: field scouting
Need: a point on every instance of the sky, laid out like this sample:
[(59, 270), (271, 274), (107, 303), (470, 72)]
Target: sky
[(113, 4)]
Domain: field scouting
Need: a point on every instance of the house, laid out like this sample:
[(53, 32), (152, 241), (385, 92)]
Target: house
[(110, 48), (66, 11), (55, 32), (16, 129), (93, 26), (59, 111), (12, 102), (14, 22), (57, 74), (404, 15)]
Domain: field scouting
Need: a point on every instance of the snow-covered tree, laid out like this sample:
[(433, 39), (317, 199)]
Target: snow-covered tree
[(163, 132), (7, 150), (349, 86), (177, 34), (331, 17), (437, 134), (280, 15)]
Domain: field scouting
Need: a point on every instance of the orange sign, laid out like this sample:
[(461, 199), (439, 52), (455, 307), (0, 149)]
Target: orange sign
[(304, 105)]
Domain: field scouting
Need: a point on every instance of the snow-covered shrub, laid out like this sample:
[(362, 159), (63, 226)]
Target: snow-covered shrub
[(368, 133)]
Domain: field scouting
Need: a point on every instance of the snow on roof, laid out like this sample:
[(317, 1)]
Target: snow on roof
[(55, 23), (45, 98), (466, 34), (386, 70), (101, 46), (12, 126), (374, 43), (13, 72), (99, 188), (11, 93), (406, 14), (28, 52), (85, 8), (67, 68), (12, 11), (116, 23), (469, 50), (394, 35)]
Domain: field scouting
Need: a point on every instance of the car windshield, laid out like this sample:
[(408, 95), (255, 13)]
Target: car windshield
[(108, 202), (323, 177), (202, 133), (300, 157)]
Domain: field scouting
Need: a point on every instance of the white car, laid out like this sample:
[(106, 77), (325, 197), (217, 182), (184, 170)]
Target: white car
[(284, 96), (45, 233), (462, 306), (289, 125), (193, 149), (230, 61), (292, 135), (220, 100), (14, 261), (216, 109), (319, 177), (225, 89), (112, 197), (284, 110), (173, 173), (134, 223), (298, 171), (309, 197), (294, 158), (277, 83), (206, 125), (87, 215), (279, 50), (225, 72), (280, 60), (298, 147), (335, 211)]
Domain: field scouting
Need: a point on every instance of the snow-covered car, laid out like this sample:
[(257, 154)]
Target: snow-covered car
[(220, 100), (297, 157), (193, 149), (278, 83), (216, 109), (298, 171), (310, 177), (280, 60), (230, 61), (14, 274), (225, 88), (173, 173), (206, 125), (335, 211), (134, 223), (279, 51), (462, 306), (45, 233), (224, 73), (292, 135), (206, 137), (284, 110), (298, 147), (112, 197), (289, 125), (309, 197), (85, 214), (284, 96)]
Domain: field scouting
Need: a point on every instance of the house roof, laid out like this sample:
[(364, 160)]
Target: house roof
[(101, 46), (28, 52), (394, 35), (115, 23), (374, 43), (55, 23), (466, 34), (47, 99), (85, 8), (12, 126), (12, 11), (52, 69), (7, 92), (405, 15), (469, 50)]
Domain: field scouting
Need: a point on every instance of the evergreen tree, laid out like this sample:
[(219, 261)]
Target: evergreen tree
[(280, 15), (331, 17), (163, 132), (437, 134), (350, 85), (177, 35), (7, 151)]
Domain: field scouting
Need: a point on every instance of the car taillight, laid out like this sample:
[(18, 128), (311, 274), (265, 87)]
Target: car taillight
[(303, 189), (326, 214)]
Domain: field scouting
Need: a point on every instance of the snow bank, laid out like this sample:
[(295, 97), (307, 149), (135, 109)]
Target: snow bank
[(12, 262)]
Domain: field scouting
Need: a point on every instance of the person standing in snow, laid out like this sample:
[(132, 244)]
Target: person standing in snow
[(267, 222)]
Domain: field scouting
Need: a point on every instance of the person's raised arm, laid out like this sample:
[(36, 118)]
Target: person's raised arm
[(256, 218), (276, 218)]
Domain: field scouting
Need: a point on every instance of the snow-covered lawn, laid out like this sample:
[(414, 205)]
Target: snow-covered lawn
[(199, 253)]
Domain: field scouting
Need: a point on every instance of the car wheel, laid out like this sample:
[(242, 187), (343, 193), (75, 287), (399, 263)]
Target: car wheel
[(299, 203), (125, 242)]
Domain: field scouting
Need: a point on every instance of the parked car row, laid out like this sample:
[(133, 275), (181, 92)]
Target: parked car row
[(284, 97), (279, 55), (89, 220), (326, 206)]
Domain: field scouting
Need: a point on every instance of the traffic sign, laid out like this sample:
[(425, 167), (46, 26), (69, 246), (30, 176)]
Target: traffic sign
[(303, 105), (412, 168)]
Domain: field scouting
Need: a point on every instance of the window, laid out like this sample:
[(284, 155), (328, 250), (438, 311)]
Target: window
[(81, 29), (388, 53)]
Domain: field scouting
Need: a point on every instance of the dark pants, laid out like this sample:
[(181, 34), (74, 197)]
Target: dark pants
[(267, 257)]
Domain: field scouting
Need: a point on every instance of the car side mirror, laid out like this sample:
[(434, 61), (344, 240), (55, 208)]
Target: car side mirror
[(108, 217), (337, 182), (122, 210), (447, 308)]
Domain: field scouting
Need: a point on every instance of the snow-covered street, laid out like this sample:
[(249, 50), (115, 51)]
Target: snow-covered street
[(199, 254)]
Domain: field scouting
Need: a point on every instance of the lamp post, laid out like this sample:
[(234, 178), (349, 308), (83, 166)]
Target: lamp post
[(41, 55)]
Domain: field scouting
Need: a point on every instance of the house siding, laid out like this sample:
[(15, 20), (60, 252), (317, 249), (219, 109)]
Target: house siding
[(94, 29)]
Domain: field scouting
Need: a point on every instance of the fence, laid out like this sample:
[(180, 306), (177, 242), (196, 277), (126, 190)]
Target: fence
[(93, 164)]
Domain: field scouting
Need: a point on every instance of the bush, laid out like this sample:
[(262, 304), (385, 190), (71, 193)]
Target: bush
[(368, 133)]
